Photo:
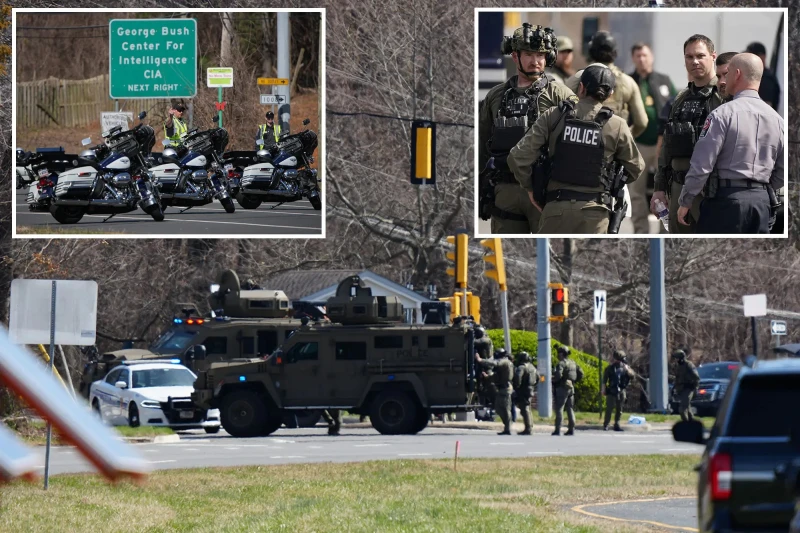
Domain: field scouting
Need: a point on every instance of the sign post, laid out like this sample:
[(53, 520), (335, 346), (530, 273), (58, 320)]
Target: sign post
[(219, 77), (273, 99), (152, 58), (600, 309), (76, 312), (755, 305), (778, 328)]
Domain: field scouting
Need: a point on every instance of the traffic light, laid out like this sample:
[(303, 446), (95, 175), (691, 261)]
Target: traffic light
[(559, 302), (497, 270), (423, 153), (459, 259), (474, 307)]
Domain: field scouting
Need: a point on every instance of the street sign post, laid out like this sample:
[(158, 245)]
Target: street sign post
[(272, 99), (219, 77), (755, 305), (152, 58), (600, 309), (778, 328), (76, 311)]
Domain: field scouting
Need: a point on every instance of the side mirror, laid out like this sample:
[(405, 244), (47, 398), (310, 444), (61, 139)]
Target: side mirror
[(142, 115), (199, 352), (87, 141), (121, 385), (306, 122), (689, 431)]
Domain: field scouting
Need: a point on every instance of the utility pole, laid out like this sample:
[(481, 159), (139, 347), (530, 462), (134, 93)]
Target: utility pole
[(544, 357)]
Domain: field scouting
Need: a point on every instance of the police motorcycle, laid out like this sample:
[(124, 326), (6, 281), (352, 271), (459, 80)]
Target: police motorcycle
[(25, 176), (44, 165), (112, 178), (191, 174), (282, 173)]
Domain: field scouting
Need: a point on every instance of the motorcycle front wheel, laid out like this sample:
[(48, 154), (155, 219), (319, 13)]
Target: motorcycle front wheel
[(67, 214), (227, 203), (155, 212)]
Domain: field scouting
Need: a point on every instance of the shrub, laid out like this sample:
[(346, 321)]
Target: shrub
[(586, 392)]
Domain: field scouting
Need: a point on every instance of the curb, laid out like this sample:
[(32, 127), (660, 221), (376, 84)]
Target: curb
[(157, 439)]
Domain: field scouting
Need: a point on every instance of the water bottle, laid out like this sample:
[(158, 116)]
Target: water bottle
[(662, 212)]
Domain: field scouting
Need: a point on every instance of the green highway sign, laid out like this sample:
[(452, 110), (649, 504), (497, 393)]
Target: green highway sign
[(152, 58)]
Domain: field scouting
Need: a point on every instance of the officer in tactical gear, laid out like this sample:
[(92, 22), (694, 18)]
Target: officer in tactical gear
[(686, 381), (567, 373), (485, 348), (525, 379), (616, 379), (626, 102), (592, 153), (503, 373), (507, 112), (334, 419), (684, 124), (270, 132), (562, 69)]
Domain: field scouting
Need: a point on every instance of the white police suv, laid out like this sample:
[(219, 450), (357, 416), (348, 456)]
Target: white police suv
[(151, 392)]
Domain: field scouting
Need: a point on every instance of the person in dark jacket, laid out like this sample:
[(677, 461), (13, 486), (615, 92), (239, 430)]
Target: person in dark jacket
[(770, 89)]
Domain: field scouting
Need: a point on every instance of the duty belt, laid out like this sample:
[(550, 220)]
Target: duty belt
[(679, 176), (565, 195), (507, 215), (741, 184)]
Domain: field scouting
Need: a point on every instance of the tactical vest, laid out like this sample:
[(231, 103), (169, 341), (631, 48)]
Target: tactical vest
[(179, 129), (619, 378), (686, 122), (571, 371), (516, 113), (579, 150), (276, 132)]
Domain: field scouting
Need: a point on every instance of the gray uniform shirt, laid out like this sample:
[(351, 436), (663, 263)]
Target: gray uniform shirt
[(742, 139)]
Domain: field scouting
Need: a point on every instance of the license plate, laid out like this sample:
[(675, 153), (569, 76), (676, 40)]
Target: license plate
[(187, 414), (43, 172)]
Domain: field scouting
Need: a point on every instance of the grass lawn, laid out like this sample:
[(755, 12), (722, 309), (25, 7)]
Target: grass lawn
[(34, 432), (382, 496)]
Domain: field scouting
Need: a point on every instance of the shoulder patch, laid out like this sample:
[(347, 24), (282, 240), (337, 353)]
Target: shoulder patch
[(706, 126), (664, 90), (572, 98)]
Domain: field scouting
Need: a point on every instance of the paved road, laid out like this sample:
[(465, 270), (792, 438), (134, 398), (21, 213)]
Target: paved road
[(676, 514), (485, 227), (295, 218), (197, 449)]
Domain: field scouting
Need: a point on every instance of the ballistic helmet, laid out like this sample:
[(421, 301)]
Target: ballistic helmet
[(533, 39)]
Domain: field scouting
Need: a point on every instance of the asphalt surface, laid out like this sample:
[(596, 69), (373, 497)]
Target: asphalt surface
[(485, 226), (310, 445), (295, 218), (678, 514)]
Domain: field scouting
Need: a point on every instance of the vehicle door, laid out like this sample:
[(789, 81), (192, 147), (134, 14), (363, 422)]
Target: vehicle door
[(302, 381), (106, 394), (346, 377), (123, 395)]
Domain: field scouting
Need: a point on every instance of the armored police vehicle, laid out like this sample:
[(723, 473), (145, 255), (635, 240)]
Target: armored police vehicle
[(363, 360), (243, 323)]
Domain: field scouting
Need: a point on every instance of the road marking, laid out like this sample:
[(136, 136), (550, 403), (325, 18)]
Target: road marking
[(287, 457), (545, 453), (164, 461), (283, 441), (580, 509), (369, 445), (231, 447), (637, 441), (412, 454), (315, 447), (507, 443)]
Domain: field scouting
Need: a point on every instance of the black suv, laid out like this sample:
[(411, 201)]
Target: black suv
[(742, 483), (714, 381)]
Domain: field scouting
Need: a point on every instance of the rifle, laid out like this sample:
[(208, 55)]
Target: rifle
[(619, 205)]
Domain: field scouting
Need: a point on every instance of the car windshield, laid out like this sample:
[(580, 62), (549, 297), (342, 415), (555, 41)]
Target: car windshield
[(763, 406), (162, 377), (174, 340), (717, 370)]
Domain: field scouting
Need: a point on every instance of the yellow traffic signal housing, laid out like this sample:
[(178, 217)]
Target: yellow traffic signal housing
[(423, 153), (559, 302), (497, 270), (459, 259), (455, 306), (474, 306)]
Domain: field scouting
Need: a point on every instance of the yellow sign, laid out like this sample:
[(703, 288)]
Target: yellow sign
[(273, 81)]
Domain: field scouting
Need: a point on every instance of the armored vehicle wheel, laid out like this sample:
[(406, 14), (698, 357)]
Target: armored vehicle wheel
[(248, 202), (66, 215), (423, 417), (227, 203), (243, 414), (212, 430), (274, 422), (394, 413)]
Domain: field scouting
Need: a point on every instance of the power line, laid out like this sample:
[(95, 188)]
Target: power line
[(390, 117)]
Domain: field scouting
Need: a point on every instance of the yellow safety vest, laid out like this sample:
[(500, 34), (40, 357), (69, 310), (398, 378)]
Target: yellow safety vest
[(276, 130), (180, 129)]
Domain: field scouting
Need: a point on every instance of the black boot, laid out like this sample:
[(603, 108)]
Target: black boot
[(557, 432), (526, 432), (570, 432), (617, 428), (504, 432)]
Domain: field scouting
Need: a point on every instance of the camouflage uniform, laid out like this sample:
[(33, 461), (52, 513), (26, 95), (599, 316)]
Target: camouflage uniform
[(616, 379), (686, 381), (513, 212), (525, 378), (334, 419), (567, 373), (502, 373)]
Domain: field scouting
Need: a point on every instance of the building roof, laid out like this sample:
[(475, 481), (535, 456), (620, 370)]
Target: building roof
[(298, 284)]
